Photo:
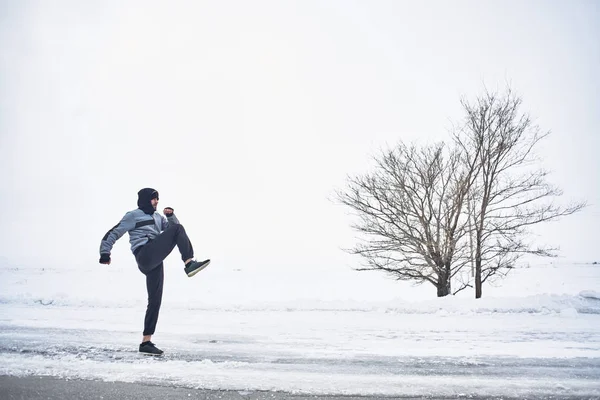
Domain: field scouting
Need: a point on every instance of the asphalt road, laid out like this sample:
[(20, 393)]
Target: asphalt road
[(48, 388)]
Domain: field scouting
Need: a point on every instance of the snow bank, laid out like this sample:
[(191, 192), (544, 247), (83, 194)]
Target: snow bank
[(566, 290), (322, 333), (540, 304), (589, 294)]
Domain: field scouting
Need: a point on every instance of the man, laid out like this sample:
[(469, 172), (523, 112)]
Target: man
[(152, 238)]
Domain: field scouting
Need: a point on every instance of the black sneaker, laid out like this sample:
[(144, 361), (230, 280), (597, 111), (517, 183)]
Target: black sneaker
[(149, 349), (193, 267)]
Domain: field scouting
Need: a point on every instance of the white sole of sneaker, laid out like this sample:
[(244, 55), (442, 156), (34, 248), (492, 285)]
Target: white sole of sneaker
[(194, 272), (151, 355)]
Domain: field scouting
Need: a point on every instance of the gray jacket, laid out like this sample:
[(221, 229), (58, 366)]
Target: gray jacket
[(142, 227)]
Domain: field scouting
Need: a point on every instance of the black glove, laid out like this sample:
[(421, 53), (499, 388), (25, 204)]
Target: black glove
[(105, 258), (168, 211)]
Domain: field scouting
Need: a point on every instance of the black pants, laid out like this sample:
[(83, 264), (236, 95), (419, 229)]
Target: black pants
[(150, 259)]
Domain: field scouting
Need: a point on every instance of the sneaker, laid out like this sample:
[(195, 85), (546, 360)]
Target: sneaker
[(193, 267), (149, 349)]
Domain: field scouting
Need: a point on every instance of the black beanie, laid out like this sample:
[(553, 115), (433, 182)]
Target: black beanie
[(144, 197)]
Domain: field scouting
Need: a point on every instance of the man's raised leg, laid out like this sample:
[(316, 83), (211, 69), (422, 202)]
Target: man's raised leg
[(155, 251)]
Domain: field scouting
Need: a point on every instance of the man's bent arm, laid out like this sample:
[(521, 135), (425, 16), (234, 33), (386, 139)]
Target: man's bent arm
[(170, 220)]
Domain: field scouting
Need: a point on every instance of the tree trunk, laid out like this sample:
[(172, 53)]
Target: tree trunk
[(442, 291), (478, 279), (478, 267), (443, 286)]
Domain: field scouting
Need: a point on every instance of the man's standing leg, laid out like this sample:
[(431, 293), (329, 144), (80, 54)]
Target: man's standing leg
[(154, 286)]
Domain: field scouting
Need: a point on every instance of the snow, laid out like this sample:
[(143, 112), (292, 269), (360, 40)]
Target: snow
[(316, 332)]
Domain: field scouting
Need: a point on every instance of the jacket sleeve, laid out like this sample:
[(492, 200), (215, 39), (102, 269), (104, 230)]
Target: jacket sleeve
[(125, 225), (168, 221)]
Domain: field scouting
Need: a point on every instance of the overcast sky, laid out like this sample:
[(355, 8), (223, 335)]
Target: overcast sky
[(247, 116)]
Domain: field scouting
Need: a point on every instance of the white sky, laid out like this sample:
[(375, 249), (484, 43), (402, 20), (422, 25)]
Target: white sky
[(246, 116)]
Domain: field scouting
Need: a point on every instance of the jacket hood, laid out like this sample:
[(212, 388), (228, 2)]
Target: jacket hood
[(144, 197)]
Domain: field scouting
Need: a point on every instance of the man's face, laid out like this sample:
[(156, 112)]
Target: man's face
[(154, 203)]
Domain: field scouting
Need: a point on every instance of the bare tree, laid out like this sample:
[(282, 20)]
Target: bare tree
[(510, 193), (410, 211)]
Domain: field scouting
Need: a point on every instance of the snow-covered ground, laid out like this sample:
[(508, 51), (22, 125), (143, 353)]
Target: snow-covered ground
[(317, 332)]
